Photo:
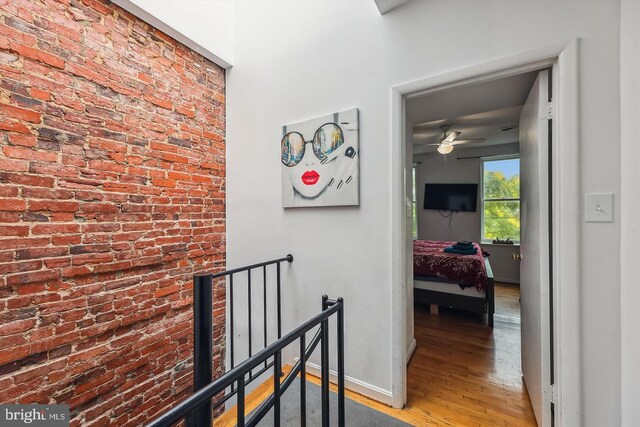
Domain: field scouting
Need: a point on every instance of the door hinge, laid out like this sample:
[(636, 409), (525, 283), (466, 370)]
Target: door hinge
[(550, 393), (546, 112)]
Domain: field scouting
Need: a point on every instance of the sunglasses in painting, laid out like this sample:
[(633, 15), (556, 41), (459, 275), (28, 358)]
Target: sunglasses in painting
[(326, 139)]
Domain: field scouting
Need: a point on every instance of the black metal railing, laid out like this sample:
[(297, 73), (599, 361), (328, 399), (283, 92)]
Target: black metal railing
[(248, 269), (238, 375), (203, 328)]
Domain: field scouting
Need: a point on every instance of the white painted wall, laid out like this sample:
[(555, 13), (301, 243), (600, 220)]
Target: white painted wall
[(205, 26), (287, 68), (505, 268), (436, 168), (630, 209)]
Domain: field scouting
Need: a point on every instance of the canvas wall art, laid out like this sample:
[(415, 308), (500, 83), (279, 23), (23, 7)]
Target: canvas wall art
[(320, 161)]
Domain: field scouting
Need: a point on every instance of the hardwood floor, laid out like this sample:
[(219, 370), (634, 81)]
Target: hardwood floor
[(462, 373), (251, 402), (508, 301)]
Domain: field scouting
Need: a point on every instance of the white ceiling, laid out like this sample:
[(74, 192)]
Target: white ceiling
[(478, 111), (385, 6)]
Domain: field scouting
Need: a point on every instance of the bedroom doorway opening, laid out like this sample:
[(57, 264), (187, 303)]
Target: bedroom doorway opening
[(479, 189)]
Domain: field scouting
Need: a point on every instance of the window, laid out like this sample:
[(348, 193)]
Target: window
[(414, 208), (501, 199)]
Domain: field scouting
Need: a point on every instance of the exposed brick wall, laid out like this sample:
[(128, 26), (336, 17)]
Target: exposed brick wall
[(112, 193)]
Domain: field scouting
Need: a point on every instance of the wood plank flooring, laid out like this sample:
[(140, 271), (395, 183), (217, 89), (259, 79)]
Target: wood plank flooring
[(462, 372), (251, 401)]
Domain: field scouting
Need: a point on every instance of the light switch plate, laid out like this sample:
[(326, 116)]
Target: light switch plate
[(598, 207)]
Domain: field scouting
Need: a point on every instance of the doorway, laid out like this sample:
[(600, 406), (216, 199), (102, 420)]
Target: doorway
[(563, 60), (481, 158)]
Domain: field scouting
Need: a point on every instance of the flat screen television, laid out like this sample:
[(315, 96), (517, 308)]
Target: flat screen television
[(451, 197)]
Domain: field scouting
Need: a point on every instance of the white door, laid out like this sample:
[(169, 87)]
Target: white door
[(534, 248)]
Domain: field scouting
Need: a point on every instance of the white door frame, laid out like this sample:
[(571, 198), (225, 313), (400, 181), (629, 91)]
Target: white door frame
[(629, 210), (563, 56)]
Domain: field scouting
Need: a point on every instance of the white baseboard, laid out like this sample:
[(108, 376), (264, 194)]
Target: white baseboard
[(412, 348), (371, 391)]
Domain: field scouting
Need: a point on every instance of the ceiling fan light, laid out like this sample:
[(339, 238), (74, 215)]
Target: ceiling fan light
[(445, 148)]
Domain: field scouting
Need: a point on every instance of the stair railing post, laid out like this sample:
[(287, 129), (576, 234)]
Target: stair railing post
[(340, 324), (324, 368), (202, 344), (303, 381)]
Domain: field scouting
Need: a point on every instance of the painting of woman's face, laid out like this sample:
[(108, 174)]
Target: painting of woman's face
[(311, 170), (315, 157)]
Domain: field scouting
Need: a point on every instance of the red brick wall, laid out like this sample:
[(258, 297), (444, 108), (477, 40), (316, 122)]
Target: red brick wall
[(112, 193)]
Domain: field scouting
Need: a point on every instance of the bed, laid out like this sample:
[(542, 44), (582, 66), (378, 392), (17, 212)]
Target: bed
[(463, 282)]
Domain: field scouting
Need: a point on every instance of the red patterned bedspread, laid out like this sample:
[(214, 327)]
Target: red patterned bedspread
[(466, 270)]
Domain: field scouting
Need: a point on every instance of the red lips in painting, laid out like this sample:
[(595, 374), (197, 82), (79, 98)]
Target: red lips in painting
[(310, 177)]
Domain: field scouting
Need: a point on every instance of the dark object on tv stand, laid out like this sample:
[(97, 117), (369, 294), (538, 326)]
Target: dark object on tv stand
[(451, 197), (460, 302)]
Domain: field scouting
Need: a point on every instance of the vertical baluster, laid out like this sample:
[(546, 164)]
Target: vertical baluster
[(202, 342), (340, 324), (277, 368), (303, 382), (240, 404), (264, 306), (278, 301), (249, 308), (325, 366), (231, 336)]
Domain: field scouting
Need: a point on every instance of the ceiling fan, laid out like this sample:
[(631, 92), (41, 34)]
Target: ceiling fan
[(449, 139)]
